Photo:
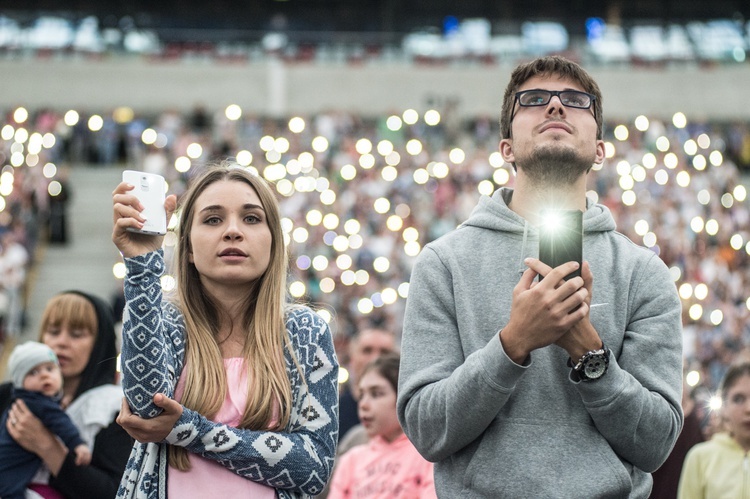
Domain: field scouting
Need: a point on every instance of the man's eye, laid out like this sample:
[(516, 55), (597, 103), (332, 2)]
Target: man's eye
[(575, 100)]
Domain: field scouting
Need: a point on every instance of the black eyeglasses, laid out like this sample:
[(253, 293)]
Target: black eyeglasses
[(539, 97)]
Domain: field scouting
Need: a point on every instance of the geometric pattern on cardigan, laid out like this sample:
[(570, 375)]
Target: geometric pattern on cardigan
[(297, 461)]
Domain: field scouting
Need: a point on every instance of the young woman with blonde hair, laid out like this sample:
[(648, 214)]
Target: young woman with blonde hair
[(230, 389)]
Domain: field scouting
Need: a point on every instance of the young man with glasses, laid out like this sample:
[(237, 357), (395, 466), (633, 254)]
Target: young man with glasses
[(522, 380)]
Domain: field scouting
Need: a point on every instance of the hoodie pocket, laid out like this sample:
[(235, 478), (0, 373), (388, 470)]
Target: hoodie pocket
[(547, 460)]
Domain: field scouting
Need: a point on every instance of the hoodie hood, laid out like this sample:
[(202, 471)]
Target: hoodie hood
[(102, 364), (493, 213)]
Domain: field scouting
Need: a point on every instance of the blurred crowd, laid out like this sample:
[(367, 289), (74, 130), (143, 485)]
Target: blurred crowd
[(363, 195)]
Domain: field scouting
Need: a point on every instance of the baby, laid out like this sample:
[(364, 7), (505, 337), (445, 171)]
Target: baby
[(35, 372)]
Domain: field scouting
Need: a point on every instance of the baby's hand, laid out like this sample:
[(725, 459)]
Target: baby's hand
[(83, 455)]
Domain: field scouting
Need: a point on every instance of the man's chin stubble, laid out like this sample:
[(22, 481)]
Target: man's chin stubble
[(554, 166)]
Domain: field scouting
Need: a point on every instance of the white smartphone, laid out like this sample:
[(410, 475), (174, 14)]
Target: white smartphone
[(151, 191)]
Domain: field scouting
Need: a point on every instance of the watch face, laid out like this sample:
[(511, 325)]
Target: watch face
[(595, 367)]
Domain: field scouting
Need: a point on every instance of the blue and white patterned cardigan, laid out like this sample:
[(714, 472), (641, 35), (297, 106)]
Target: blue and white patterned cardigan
[(297, 462)]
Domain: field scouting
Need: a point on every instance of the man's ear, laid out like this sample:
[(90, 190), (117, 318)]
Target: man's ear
[(600, 152), (506, 150)]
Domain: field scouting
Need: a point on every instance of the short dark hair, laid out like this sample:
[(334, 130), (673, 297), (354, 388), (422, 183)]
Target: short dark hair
[(549, 66), (734, 373), (386, 365)]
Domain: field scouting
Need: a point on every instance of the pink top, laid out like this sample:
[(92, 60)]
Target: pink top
[(207, 478), (383, 470)]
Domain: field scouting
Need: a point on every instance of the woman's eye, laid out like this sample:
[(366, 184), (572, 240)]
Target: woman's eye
[(253, 219), (212, 220)]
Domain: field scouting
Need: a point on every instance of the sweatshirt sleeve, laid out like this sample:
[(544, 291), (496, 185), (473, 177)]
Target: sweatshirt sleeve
[(151, 341), (436, 383), (636, 405)]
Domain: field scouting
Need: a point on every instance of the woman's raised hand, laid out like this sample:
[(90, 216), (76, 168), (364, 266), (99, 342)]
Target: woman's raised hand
[(127, 214)]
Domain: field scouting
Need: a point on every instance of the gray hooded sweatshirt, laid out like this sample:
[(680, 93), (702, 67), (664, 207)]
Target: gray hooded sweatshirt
[(496, 429)]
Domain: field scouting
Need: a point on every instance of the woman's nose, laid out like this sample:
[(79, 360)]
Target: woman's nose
[(232, 232)]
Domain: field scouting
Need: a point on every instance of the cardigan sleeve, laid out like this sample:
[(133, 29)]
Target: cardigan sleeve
[(152, 336)]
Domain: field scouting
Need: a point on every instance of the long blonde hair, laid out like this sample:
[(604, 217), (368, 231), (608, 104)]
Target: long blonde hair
[(206, 383)]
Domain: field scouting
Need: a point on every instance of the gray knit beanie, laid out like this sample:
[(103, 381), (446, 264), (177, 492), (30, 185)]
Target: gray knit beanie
[(27, 356)]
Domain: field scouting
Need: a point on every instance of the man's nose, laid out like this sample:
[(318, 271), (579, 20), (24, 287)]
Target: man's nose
[(555, 105)]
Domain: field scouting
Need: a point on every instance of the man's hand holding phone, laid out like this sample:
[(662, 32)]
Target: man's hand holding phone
[(141, 212)]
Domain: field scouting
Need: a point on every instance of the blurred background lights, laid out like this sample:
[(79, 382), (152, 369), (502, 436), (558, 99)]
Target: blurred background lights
[(95, 123), (693, 378), (679, 120), (486, 188), (296, 125), (621, 133), (457, 156), (182, 164), (194, 150), (641, 123), (381, 264), (690, 147), (7, 132), (327, 285), (716, 317), (414, 147), (320, 263), (389, 173), (297, 289), (382, 205), (385, 147), (244, 157), (319, 144), (233, 112), (363, 146), (714, 403), (662, 144), (695, 312), (501, 176), (119, 270), (701, 291), (168, 283), (20, 115), (348, 172), (367, 161), (394, 123), (712, 227), (699, 162), (343, 375), (71, 118), (432, 117), (148, 136), (410, 116), (365, 306), (344, 261)]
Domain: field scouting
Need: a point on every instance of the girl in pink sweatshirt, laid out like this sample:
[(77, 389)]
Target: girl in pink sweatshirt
[(388, 466)]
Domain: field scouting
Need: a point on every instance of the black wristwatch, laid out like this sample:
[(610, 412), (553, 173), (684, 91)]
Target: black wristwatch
[(593, 365)]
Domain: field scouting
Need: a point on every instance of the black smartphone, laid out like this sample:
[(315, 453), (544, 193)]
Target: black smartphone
[(561, 239)]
